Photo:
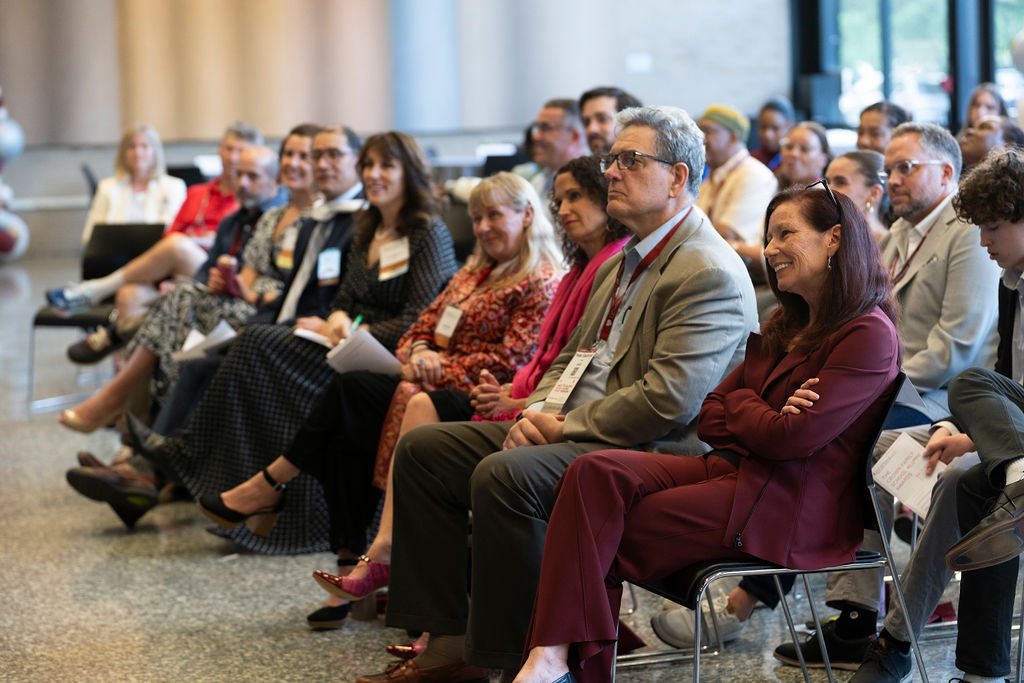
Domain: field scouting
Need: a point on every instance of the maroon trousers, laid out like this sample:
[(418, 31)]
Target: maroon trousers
[(623, 515)]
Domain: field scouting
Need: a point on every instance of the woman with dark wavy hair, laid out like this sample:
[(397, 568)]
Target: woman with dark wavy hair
[(788, 428)]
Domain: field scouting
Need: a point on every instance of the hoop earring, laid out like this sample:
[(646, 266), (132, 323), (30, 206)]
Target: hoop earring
[(828, 263)]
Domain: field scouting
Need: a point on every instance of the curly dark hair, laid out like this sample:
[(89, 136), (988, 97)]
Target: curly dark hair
[(857, 281), (423, 203), (587, 172), (993, 191)]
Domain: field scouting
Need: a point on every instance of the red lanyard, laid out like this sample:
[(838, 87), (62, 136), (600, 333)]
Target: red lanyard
[(617, 299), (897, 276)]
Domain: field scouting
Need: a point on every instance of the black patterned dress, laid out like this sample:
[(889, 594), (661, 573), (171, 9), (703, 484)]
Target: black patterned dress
[(271, 379), (190, 306)]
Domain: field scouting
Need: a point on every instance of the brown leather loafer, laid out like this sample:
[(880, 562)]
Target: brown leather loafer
[(407, 671)]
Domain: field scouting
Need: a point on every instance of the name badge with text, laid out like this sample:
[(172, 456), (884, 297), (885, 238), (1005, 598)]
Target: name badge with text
[(571, 376), (286, 254), (447, 325), (328, 267), (394, 259)]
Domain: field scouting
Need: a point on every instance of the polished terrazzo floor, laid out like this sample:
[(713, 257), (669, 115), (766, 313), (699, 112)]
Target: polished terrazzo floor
[(83, 599)]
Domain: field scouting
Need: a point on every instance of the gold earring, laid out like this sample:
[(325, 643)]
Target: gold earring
[(867, 206), (828, 263)]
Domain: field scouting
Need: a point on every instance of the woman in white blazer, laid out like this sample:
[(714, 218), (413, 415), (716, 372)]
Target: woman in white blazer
[(140, 191)]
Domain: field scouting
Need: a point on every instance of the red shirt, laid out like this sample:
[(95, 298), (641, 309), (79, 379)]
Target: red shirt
[(205, 205)]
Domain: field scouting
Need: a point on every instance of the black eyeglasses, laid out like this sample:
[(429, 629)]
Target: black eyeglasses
[(627, 160), (824, 183)]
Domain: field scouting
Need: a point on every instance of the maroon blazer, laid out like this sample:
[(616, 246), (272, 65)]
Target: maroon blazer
[(800, 483)]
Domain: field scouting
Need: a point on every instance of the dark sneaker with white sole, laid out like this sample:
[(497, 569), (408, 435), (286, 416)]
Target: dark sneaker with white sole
[(842, 653), (884, 664)]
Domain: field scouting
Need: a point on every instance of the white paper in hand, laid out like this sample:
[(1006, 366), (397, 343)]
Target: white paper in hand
[(900, 471), (362, 351), (197, 345), (313, 337)]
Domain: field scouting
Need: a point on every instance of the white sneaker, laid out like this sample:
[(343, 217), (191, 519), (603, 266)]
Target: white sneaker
[(675, 626)]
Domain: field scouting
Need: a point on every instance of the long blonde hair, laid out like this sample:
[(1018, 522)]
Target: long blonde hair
[(159, 163), (539, 244)]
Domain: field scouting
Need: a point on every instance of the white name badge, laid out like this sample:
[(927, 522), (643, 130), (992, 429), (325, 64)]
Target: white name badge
[(286, 254), (328, 266), (394, 259), (446, 326), (571, 376)]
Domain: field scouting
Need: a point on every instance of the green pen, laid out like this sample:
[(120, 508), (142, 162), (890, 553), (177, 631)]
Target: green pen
[(355, 325)]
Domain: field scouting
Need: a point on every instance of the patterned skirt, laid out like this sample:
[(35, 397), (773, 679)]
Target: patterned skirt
[(170, 319), (262, 394)]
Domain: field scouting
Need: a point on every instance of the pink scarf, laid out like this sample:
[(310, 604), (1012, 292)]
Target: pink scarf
[(565, 311)]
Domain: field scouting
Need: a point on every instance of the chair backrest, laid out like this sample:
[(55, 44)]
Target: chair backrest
[(112, 245), (456, 217), (870, 522)]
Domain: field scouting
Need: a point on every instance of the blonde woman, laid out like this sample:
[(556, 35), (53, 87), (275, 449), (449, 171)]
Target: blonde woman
[(140, 191)]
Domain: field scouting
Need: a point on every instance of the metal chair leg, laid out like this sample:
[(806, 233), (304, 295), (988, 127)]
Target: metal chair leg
[(1020, 641), (792, 628), (897, 586), (819, 631)]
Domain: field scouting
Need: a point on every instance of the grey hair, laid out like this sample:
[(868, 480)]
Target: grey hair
[(676, 137), (935, 140), (245, 131)]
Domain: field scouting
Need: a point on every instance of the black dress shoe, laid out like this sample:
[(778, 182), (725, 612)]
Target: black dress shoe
[(156, 448), (328, 618), (129, 492), (997, 538)]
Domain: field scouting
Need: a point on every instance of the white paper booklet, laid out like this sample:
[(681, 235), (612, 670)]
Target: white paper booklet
[(198, 344), (900, 471), (362, 351), (313, 337)]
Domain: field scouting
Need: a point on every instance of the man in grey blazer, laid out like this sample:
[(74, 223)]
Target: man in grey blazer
[(667, 319), (947, 288)]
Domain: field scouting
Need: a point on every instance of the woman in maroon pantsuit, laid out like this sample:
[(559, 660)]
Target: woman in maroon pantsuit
[(782, 483)]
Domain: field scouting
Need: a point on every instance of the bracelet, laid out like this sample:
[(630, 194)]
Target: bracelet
[(419, 344)]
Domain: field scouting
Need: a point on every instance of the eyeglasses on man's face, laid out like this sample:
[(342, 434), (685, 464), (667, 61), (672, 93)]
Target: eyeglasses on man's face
[(905, 168), (626, 160)]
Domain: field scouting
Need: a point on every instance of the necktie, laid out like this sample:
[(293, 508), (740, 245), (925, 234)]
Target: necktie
[(302, 276)]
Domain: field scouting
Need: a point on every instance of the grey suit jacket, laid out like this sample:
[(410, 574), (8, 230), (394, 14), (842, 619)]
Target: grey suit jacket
[(687, 329), (949, 307)]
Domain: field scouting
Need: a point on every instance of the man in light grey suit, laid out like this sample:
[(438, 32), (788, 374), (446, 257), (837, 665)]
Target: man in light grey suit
[(666, 320), (946, 285)]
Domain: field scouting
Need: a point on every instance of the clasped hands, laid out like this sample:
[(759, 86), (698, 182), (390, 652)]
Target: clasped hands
[(535, 428)]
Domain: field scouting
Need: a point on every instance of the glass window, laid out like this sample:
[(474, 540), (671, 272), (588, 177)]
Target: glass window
[(1009, 20), (919, 72), (920, 59), (860, 57)]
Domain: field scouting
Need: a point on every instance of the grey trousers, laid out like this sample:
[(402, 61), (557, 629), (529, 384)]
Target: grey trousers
[(441, 473), (990, 407), (925, 577)]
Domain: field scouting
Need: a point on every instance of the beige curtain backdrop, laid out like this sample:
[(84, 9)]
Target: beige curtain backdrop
[(79, 71)]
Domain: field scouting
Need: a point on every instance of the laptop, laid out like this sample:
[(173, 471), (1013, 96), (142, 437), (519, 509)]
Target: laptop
[(112, 245)]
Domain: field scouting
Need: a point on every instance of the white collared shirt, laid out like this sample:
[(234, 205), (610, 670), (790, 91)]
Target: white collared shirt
[(908, 237)]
